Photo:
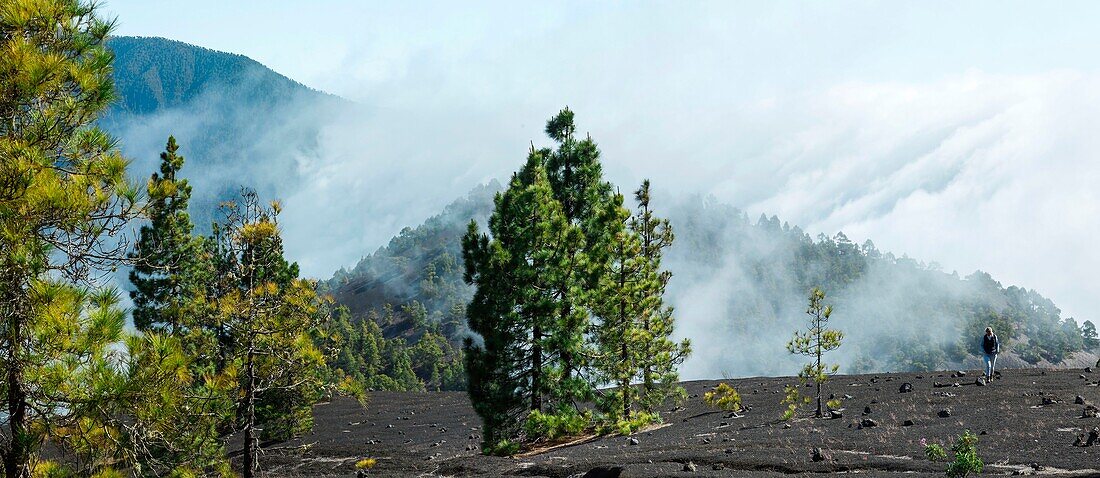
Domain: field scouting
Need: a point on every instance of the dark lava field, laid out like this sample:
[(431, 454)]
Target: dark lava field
[(1031, 421)]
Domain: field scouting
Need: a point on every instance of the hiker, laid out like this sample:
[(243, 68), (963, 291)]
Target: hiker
[(991, 346)]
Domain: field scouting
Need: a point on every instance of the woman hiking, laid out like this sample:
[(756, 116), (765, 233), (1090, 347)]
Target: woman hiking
[(991, 346)]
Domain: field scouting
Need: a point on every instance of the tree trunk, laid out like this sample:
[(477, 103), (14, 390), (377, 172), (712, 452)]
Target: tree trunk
[(536, 369), (250, 418), (819, 371), (16, 458)]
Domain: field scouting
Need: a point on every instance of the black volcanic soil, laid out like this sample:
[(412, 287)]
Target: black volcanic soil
[(437, 434)]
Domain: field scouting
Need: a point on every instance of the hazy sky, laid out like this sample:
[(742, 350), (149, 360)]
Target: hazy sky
[(956, 132)]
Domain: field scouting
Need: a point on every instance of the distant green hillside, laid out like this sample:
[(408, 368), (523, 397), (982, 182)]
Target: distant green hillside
[(238, 122), (153, 74), (739, 289)]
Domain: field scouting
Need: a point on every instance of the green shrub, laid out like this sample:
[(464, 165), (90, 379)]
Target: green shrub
[(636, 422), (935, 452), (502, 448), (551, 426), (966, 457), (723, 397)]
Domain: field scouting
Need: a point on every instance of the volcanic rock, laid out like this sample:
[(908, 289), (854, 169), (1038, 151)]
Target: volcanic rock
[(867, 410), (945, 413), (907, 423), (867, 423), (905, 388), (820, 455), (604, 472), (690, 467), (1090, 411), (834, 414), (1079, 400)]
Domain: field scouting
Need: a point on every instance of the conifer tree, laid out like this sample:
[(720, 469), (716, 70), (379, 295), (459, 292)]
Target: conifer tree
[(660, 356), (166, 256), (576, 178), (63, 190), (618, 306), (267, 315), (814, 342), (515, 308)]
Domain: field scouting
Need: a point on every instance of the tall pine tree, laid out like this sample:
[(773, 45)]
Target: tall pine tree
[(266, 316), (515, 310), (660, 355), (167, 255), (63, 191), (576, 178)]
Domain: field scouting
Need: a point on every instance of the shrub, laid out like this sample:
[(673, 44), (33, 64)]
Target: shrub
[(723, 397), (551, 426), (365, 464), (636, 421), (966, 457), (502, 448), (934, 451)]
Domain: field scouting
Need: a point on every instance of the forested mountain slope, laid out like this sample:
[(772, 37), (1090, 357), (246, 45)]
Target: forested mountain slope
[(239, 123), (739, 288)]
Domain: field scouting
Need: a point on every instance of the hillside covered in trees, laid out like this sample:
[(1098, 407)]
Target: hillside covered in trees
[(735, 280), (235, 116)]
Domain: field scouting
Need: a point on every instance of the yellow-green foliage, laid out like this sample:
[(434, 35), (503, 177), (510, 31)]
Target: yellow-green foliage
[(636, 422), (723, 397), (552, 426), (365, 464)]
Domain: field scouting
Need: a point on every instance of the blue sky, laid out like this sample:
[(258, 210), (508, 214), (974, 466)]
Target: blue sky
[(956, 132)]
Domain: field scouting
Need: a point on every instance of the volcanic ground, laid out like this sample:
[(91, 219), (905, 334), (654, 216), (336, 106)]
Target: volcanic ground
[(1030, 421)]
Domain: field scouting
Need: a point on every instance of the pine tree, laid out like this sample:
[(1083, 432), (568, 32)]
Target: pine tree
[(63, 190), (660, 355), (576, 178), (519, 362), (267, 316), (814, 342), (166, 255), (618, 306)]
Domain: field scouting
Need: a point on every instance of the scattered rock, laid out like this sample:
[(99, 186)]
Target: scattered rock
[(1088, 369), (604, 472), (820, 455), (1090, 411), (945, 413), (632, 440), (1049, 400), (979, 382), (867, 423), (907, 423), (960, 373), (848, 397), (1088, 440), (1079, 400), (905, 388), (1082, 377), (867, 410), (834, 414), (690, 467)]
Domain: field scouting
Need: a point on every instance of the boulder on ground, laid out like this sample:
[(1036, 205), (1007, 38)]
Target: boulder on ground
[(1079, 400), (905, 388), (867, 423), (820, 455), (604, 472), (945, 413)]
